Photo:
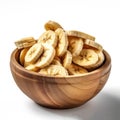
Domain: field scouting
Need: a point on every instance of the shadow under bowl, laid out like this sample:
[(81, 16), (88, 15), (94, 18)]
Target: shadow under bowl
[(59, 92)]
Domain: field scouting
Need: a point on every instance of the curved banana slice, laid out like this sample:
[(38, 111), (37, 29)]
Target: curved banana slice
[(25, 42), (67, 59), (22, 55), (34, 53), (92, 44), (101, 58), (32, 67), (46, 58), (80, 34), (54, 70), (100, 61), (75, 45), (87, 58), (52, 25), (76, 69), (49, 37), (62, 42)]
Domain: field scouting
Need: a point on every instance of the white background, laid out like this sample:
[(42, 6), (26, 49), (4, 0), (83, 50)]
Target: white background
[(22, 18)]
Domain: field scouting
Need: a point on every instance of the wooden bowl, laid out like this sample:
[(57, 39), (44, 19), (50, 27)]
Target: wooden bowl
[(59, 92)]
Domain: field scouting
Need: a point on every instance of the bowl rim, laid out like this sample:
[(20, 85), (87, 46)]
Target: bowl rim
[(106, 64)]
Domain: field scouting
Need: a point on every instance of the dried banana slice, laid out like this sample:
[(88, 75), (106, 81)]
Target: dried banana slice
[(54, 70), (25, 42), (34, 53), (92, 44), (49, 37), (62, 42), (100, 61), (80, 34), (86, 59), (32, 67), (67, 59), (22, 55), (52, 25), (46, 58), (76, 70), (75, 45)]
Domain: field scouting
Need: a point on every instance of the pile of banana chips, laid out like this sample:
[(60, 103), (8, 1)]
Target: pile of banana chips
[(58, 52)]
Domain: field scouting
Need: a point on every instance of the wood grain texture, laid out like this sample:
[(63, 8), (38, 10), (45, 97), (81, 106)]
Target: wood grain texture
[(59, 92)]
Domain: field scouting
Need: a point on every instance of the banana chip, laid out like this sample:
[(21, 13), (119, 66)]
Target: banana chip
[(52, 25), (22, 55), (76, 69), (80, 34), (75, 45), (67, 59), (25, 42), (49, 37), (92, 44), (100, 61), (46, 58), (86, 59), (34, 53), (62, 42)]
